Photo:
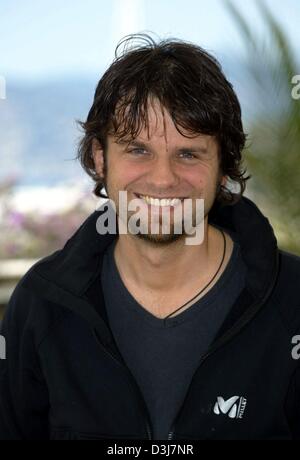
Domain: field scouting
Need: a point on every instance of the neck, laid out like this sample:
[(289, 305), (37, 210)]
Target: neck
[(163, 268)]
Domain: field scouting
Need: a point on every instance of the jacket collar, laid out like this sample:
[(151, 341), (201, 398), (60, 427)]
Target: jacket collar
[(76, 265), (258, 242), (70, 276)]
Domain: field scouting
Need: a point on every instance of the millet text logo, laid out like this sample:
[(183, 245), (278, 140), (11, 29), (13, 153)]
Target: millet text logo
[(233, 407), (2, 87), (296, 89), (167, 217), (2, 347), (296, 349)]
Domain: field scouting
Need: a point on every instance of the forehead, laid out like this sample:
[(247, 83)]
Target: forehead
[(158, 126)]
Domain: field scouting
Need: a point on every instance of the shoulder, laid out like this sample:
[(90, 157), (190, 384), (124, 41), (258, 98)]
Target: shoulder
[(287, 290), (27, 310), (290, 265)]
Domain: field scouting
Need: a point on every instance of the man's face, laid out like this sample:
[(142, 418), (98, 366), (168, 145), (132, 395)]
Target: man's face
[(161, 163)]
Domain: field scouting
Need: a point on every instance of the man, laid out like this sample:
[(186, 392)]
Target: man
[(140, 334)]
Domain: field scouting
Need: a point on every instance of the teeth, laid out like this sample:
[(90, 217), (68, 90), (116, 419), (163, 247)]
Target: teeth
[(163, 202)]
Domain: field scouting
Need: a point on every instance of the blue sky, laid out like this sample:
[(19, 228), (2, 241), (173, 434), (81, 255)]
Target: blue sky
[(44, 39)]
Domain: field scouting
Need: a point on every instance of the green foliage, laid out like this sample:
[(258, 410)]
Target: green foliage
[(273, 156)]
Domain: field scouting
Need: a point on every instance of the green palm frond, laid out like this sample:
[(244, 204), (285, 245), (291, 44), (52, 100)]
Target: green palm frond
[(273, 158), (242, 24)]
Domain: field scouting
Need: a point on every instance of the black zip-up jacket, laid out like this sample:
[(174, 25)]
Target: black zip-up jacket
[(64, 377)]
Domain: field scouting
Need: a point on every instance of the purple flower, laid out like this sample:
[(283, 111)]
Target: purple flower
[(16, 219)]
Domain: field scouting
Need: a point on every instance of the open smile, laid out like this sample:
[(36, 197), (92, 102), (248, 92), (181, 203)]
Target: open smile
[(154, 201)]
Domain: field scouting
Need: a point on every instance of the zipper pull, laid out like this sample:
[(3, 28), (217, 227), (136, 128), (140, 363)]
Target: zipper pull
[(170, 435)]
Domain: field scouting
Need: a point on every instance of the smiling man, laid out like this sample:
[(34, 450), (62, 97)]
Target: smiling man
[(137, 334), (173, 166), (163, 164)]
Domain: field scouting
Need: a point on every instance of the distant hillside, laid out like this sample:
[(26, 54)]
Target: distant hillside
[(38, 132)]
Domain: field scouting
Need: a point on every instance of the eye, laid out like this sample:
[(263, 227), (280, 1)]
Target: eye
[(137, 151), (187, 155)]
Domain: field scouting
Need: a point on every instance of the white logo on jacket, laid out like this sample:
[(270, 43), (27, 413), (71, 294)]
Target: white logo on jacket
[(233, 407)]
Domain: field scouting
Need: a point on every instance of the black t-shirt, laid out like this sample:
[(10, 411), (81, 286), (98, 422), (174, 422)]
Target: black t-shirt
[(163, 354)]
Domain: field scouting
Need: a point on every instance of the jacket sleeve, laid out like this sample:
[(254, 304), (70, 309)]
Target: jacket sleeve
[(292, 404), (296, 408), (24, 404)]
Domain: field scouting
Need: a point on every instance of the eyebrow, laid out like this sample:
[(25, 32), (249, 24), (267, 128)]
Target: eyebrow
[(133, 143), (192, 149), (143, 145)]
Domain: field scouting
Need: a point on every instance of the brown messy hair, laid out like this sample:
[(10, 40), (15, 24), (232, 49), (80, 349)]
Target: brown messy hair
[(187, 81)]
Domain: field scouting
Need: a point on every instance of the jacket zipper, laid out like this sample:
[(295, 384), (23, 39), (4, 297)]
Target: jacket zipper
[(221, 342), (224, 339), (218, 344), (141, 399), (142, 402)]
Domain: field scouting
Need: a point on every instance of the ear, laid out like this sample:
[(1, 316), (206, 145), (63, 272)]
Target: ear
[(223, 181), (98, 157)]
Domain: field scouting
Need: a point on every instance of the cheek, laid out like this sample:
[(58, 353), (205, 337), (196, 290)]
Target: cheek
[(197, 178), (132, 173), (203, 180)]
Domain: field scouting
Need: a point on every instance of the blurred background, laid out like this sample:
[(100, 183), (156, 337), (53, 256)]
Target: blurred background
[(52, 55)]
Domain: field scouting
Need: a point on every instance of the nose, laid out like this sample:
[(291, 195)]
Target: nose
[(163, 175)]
